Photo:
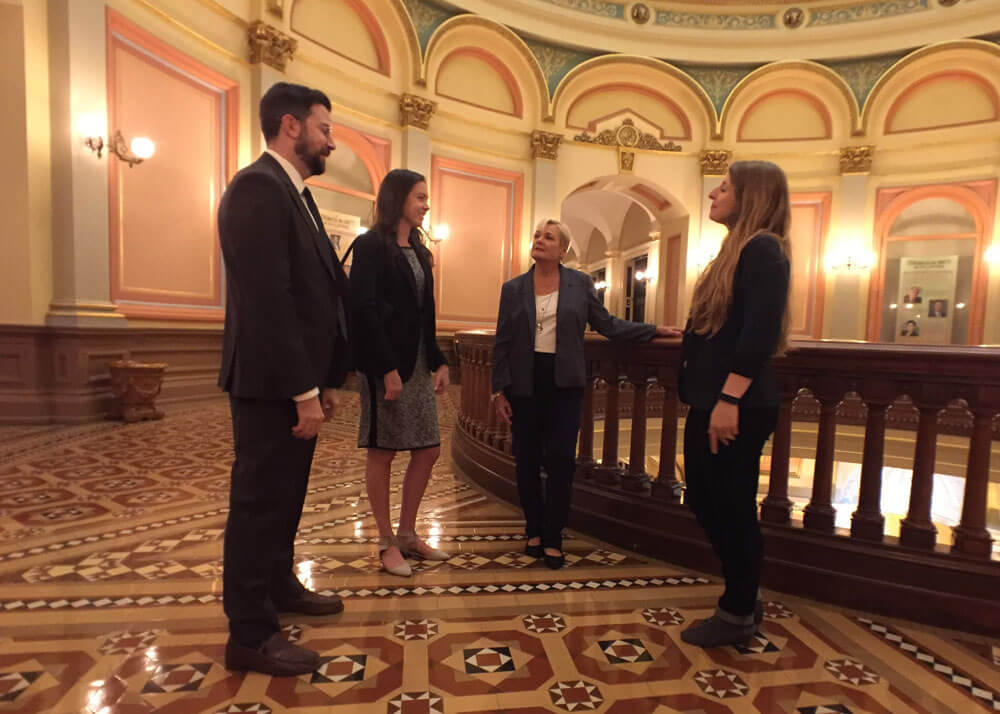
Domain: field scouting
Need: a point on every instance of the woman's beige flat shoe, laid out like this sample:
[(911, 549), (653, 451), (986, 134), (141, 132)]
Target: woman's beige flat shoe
[(412, 547), (403, 570)]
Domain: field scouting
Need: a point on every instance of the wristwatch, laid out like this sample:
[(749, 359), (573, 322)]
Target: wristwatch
[(494, 396), (728, 398)]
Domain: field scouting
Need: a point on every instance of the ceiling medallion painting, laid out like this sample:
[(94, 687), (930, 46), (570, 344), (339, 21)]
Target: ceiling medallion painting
[(628, 136)]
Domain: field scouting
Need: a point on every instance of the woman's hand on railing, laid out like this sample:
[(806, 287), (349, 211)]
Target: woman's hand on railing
[(502, 406), (666, 331)]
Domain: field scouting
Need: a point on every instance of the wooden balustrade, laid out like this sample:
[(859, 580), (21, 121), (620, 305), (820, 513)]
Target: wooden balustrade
[(927, 391)]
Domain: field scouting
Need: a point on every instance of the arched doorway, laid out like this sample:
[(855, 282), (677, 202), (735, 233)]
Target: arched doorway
[(630, 235), (930, 285)]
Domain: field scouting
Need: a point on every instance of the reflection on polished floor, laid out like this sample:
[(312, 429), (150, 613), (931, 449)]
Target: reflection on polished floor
[(110, 562)]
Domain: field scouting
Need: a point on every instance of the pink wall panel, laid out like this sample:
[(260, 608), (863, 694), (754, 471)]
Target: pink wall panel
[(482, 207), (165, 260), (810, 221)]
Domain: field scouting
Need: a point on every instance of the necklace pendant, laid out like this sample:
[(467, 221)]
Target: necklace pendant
[(538, 326)]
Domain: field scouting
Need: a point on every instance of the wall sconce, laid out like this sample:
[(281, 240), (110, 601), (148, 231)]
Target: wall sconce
[(439, 233), (600, 285), (851, 260), (992, 254), (644, 275), (140, 149)]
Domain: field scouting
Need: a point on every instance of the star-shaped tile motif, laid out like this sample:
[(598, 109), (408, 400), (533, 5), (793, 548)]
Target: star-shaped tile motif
[(177, 678), (758, 644), (13, 684), (849, 670), (625, 651), (721, 684), (415, 630), (468, 561), (125, 643), (416, 703), (541, 624), (487, 660), (256, 707), (776, 611), (340, 668), (824, 709), (663, 616), (576, 696)]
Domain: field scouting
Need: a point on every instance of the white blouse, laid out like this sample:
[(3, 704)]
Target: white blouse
[(545, 322)]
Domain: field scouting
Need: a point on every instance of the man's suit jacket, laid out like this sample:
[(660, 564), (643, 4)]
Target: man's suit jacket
[(514, 346), (285, 290), (388, 320)]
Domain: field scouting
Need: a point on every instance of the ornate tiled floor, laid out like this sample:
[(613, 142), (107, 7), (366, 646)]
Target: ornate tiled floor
[(110, 546)]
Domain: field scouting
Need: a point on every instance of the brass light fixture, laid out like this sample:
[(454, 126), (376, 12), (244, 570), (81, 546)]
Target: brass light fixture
[(140, 149)]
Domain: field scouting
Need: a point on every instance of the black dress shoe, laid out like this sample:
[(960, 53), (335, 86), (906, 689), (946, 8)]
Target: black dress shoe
[(310, 603), (534, 551), (277, 657), (555, 562)]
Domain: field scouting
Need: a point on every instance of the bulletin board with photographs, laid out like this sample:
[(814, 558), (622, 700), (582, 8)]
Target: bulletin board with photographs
[(926, 300)]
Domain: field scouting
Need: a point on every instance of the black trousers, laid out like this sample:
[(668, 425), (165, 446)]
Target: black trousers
[(722, 492), (544, 429), (268, 487)]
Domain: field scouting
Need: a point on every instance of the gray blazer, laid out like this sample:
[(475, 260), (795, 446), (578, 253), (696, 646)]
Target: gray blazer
[(514, 347)]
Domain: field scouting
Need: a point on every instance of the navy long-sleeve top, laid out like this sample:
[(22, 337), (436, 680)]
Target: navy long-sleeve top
[(749, 337)]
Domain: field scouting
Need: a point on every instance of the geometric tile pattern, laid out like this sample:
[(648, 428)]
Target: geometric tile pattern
[(663, 616), (416, 703), (13, 684), (576, 696), (625, 651), (126, 522), (849, 670), (541, 624), (984, 694), (721, 684)]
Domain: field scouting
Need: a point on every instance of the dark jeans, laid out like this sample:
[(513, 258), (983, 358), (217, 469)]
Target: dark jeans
[(544, 428), (722, 492), (268, 487)]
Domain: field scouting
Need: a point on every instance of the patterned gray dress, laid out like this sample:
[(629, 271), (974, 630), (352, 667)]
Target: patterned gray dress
[(411, 421)]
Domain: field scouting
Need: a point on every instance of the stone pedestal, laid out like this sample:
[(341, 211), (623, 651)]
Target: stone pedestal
[(135, 386)]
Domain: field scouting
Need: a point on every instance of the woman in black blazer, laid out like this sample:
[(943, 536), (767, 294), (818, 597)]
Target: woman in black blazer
[(539, 375), (401, 365), (738, 321)]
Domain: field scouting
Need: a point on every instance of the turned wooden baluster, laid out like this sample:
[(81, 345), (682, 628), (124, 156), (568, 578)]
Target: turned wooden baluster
[(482, 392), (820, 515), (467, 389), (667, 485), (776, 506), (585, 458), (636, 477), (917, 530), (609, 472), (867, 522), (971, 536)]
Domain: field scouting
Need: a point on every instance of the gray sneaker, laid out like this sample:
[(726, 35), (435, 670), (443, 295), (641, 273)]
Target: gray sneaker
[(716, 632)]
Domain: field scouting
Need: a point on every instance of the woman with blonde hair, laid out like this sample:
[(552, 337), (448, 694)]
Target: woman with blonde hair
[(538, 378), (738, 322)]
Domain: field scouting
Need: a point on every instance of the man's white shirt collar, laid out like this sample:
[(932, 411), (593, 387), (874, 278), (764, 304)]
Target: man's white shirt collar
[(293, 173)]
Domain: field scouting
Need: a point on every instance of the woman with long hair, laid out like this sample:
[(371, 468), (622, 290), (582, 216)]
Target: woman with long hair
[(400, 363), (538, 379), (738, 322)]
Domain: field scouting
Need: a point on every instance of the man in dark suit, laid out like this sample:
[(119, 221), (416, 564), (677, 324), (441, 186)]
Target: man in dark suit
[(284, 351)]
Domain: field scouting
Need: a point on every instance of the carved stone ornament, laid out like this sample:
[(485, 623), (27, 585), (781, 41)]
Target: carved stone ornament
[(715, 162), (416, 111), (626, 161), (135, 386), (856, 159), (276, 7), (544, 144), (629, 136), (640, 13), (270, 46), (793, 18)]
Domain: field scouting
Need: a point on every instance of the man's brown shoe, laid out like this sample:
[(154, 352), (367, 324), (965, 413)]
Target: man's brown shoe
[(277, 657), (310, 603)]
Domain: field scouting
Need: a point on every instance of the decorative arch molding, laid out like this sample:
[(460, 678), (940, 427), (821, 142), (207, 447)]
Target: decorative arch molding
[(837, 83), (372, 25), (884, 85), (668, 103), (496, 64), (575, 74), (978, 198), (455, 24), (811, 99), (942, 76), (411, 39)]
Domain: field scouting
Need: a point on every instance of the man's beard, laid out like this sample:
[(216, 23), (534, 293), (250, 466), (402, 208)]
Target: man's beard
[(315, 162)]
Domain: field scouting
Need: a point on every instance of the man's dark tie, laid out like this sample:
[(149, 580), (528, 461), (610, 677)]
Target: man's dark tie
[(314, 210)]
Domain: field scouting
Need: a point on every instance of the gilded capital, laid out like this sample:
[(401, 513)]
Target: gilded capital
[(715, 162), (544, 144), (270, 46), (856, 159), (416, 111)]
